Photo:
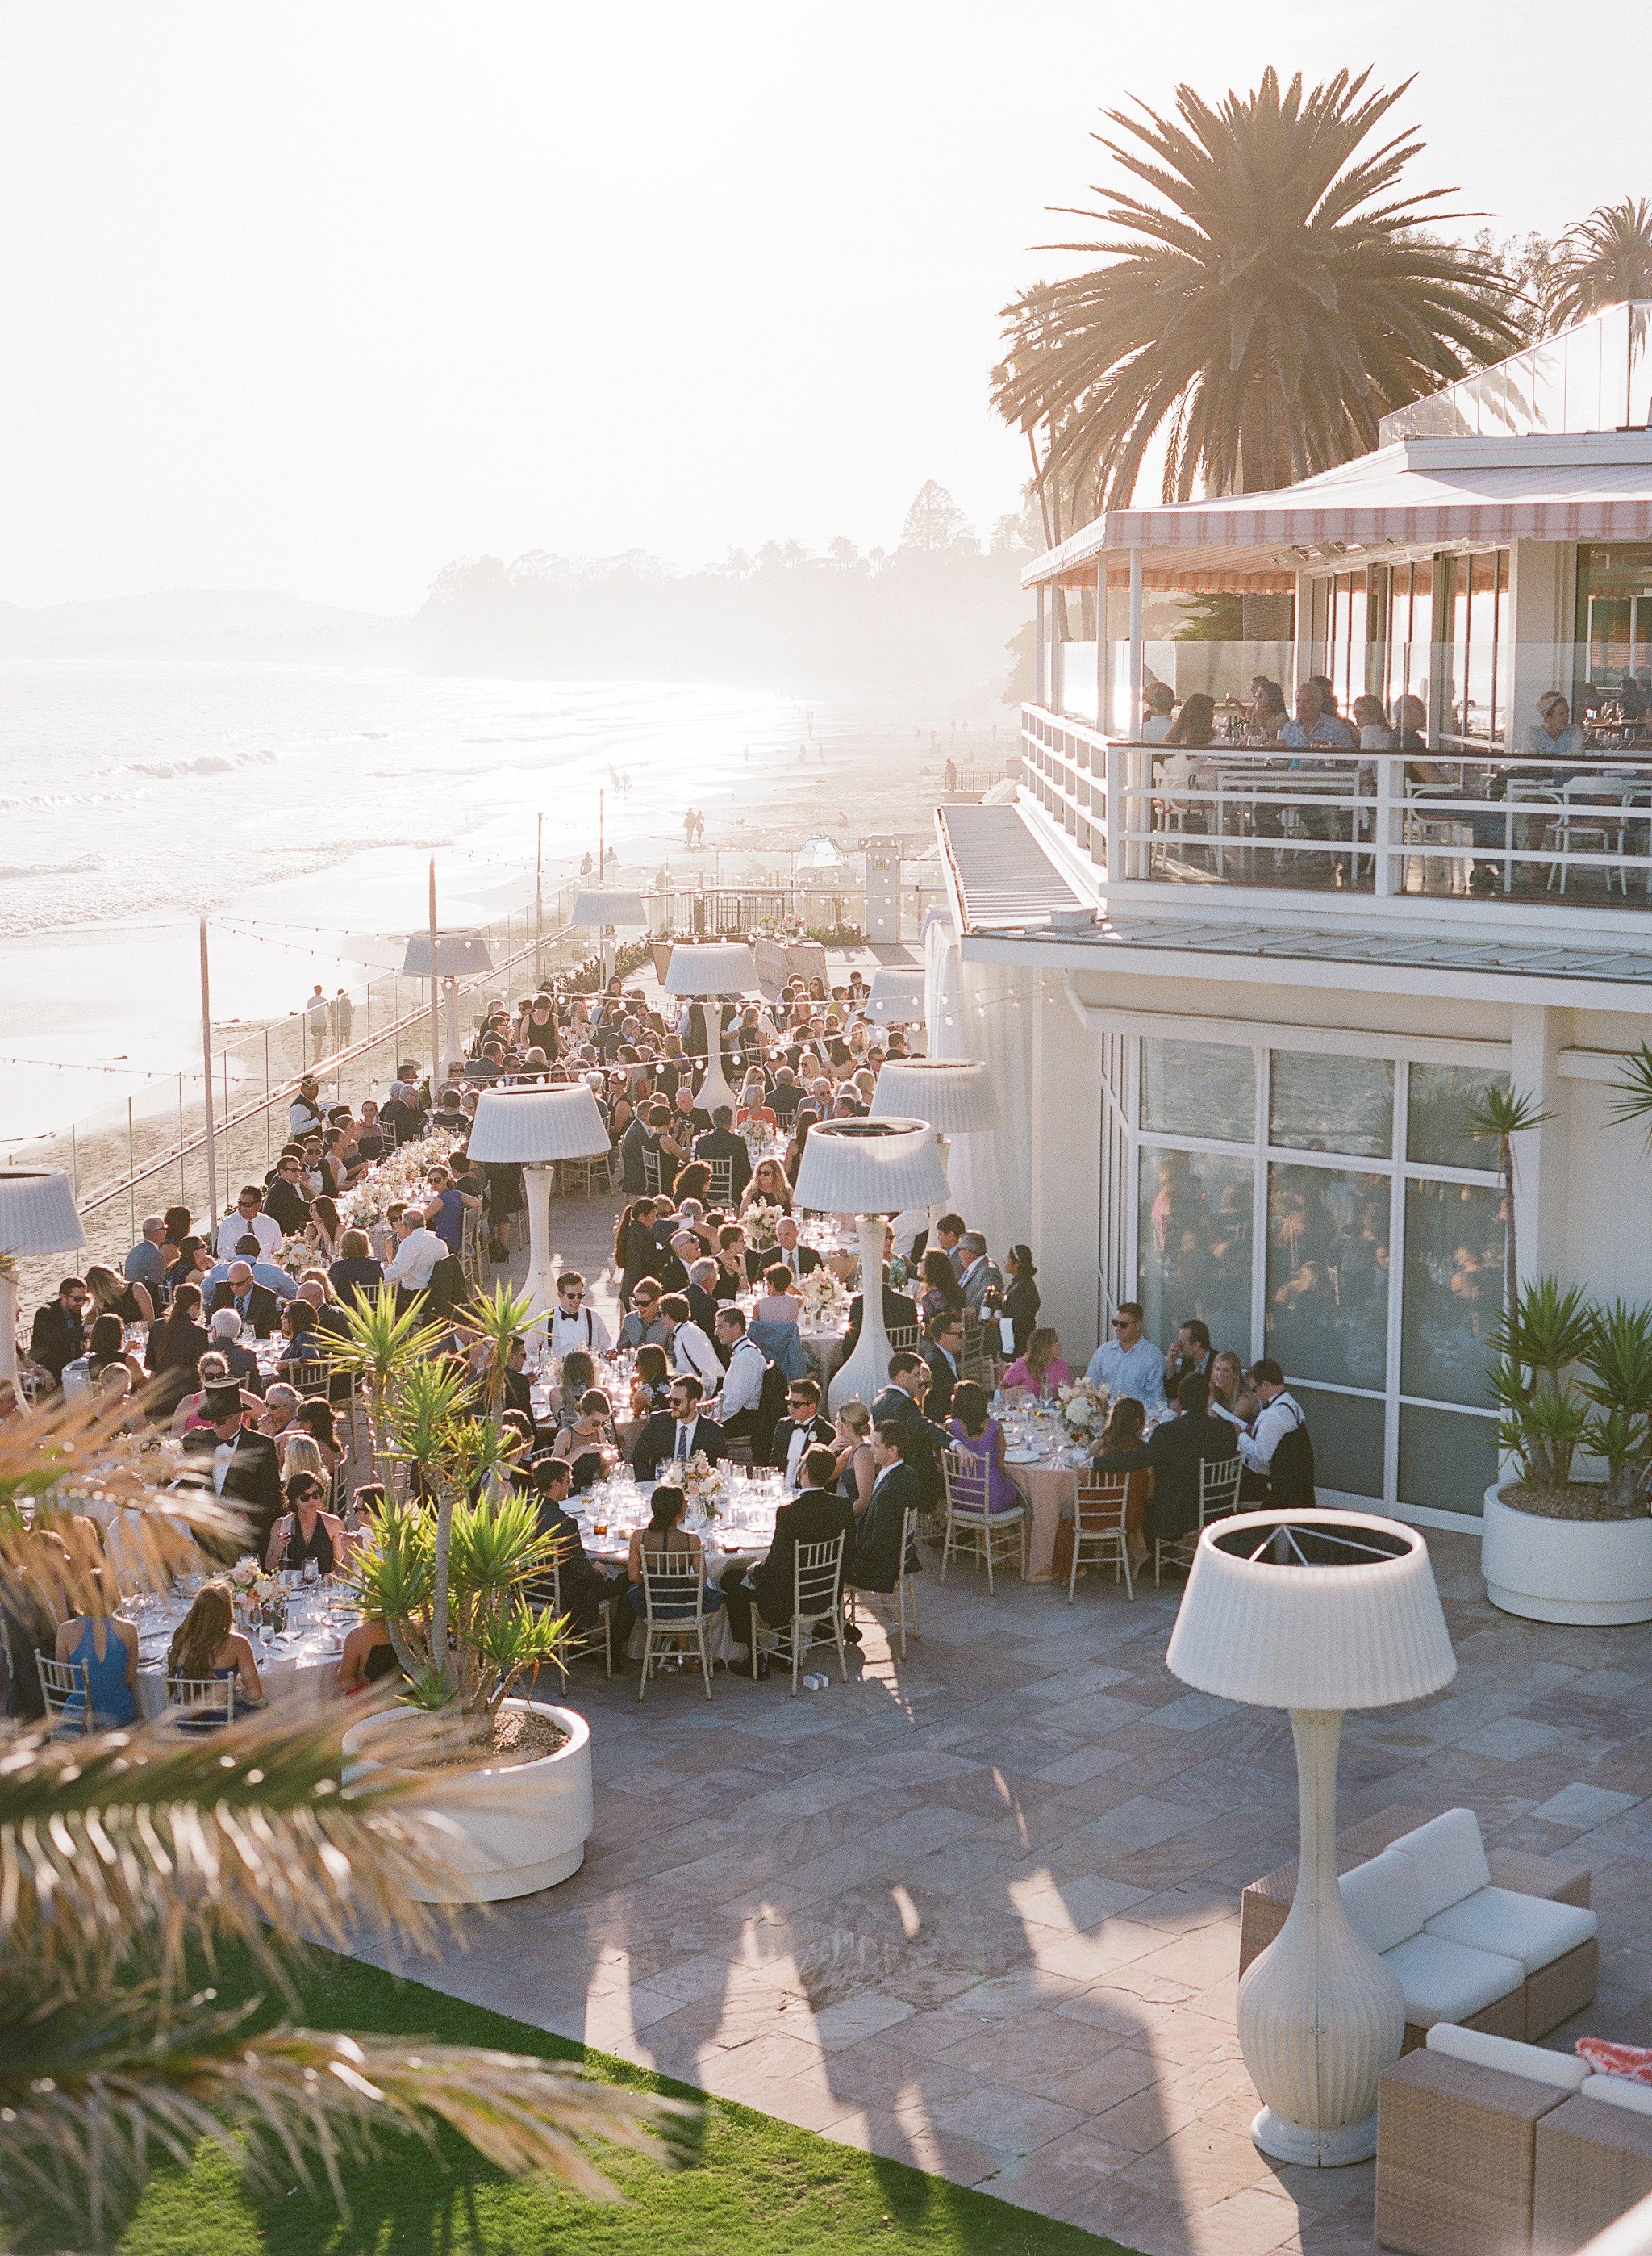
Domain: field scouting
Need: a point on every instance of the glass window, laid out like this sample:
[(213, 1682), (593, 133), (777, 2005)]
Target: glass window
[(1453, 1289), (1447, 1459), (1199, 1088), (1194, 1243), (1346, 1434), (1330, 1105), (1328, 1274), (1437, 1133)]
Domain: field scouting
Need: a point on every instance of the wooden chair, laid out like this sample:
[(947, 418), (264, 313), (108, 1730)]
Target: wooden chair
[(61, 1681), (470, 1248), (905, 1591), (737, 1449), (968, 1524), (1098, 1522), (653, 1173), (816, 1603), (674, 1610), (1218, 1497), (722, 1181), (204, 1704), (545, 1591), (904, 1338), (974, 1357)]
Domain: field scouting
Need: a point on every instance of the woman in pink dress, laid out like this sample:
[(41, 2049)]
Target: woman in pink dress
[(1041, 1370)]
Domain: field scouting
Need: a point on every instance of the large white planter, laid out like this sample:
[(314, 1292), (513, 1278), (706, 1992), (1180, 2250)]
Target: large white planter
[(1595, 1571), (526, 1829)]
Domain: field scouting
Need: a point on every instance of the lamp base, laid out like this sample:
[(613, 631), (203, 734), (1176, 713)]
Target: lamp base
[(1326, 2150)]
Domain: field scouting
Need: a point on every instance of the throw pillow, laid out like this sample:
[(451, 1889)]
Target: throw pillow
[(1607, 2058)]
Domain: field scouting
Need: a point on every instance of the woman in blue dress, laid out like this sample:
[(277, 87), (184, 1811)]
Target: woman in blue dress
[(978, 1442), (107, 1649)]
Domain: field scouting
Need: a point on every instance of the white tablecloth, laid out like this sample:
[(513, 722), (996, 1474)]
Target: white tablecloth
[(301, 1668)]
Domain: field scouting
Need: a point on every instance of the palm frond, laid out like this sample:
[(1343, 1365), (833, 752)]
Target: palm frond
[(1630, 1103)]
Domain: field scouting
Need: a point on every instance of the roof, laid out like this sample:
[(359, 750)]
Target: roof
[(1008, 887), (1418, 492)]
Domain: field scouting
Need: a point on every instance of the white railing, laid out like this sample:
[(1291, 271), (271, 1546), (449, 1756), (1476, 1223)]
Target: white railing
[(1574, 832)]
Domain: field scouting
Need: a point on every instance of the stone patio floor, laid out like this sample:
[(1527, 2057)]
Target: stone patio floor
[(978, 1910)]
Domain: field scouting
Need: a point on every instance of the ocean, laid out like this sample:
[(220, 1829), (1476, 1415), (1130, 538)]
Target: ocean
[(295, 807)]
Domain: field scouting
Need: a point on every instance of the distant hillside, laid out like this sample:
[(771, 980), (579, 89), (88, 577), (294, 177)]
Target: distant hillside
[(198, 623)]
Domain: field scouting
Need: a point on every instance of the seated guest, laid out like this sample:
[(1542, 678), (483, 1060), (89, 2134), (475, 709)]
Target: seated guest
[(306, 1531), (107, 1648), (176, 1345), (769, 1187), (248, 1220), (368, 1657), (211, 1370), (1173, 1453), (801, 1427), (207, 1643), (280, 1281), (591, 1428), (691, 1346), (651, 1383), (1191, 1352), (577, 1378), (777, 1303), (257, 1308), (816, 1514), (1230, 1397), (678, 1433), (239, 1362), (852, 1445), (939, 1280), (1039, 1368), (303, 1349), (355, 1274), (645, 1326), (732, 1276), (584, 1581), (664, 1538), (1128, 1362), (902, 1403), (978, 1449), (942, 1348), (787, 1253), (285, 1200), (879, 1531), (118, 1296), (59, 1332)]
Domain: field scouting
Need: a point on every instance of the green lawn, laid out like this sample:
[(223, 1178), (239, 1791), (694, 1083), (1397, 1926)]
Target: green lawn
[(753, 2186)]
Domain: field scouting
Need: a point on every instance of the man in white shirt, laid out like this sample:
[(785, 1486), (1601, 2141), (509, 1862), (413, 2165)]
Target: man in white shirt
[(418, 1252), (249, 1220), (690, 1350), (574, 1322), (738, 1404), (1128, 1363), (305, 1111), (801, 1428), (1280, 1413)]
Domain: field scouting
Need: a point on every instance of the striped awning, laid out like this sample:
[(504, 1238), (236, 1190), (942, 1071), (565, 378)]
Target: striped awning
[(1417, 493)]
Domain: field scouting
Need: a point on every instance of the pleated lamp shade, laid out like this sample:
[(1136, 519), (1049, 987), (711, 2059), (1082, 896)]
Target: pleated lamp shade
[(869, 1166), (597, 906), (897, 998), (717, 968), (535, 1126), (37, 1212), (458, 954), (955, 1095), (1324, 1609)]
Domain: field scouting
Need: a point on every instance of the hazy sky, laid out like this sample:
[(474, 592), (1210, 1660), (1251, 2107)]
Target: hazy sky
[(316, 297)]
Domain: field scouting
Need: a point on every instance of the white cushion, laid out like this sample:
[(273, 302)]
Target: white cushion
[(1528, 1927), (1563, 2069), (1447, 1981), (1380, 1898), (1450, 1858), (1619, 2091)]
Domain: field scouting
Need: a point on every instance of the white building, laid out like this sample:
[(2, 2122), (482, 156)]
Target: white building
[(1235, 993)]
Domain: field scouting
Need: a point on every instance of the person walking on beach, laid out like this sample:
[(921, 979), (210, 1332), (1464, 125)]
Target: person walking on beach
[(342, 1014), (688, 827), (315, 1021)]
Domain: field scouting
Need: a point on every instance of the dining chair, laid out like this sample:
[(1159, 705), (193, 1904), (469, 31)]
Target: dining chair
[(674, 1612), (904, 1594), (722, 1181), (969, 1527), (1098, 1531), (1219, 1481), (204, 1704), (60, 1682), (816, 1603), (544, 1592)]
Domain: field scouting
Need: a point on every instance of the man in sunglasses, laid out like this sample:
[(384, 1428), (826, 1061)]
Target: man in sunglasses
[(1128, 1362), (802, 1429)]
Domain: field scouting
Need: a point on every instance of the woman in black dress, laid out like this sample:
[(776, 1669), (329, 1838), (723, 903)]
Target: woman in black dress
[(176, 1345), (306, 1531), (1021, 1294)]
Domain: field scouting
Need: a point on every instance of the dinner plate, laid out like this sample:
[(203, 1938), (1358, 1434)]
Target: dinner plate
[(1022, 1458)]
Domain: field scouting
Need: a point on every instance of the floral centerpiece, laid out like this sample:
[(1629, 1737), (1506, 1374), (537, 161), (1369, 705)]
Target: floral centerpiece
[(761, 1219), (824, 1299), (704, 1483), (255, 1593), (1083, 1408)]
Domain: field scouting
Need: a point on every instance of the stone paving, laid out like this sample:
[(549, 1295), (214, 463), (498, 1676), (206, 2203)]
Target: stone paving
[(978, 1910)]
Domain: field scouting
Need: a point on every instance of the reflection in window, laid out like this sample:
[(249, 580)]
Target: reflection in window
[(1438, 1131), (1347, 1433), (1331, 1104), (1328, 1274), (1447, 1459), (1199, 1088), (1453, 1289), (1195, 1241)]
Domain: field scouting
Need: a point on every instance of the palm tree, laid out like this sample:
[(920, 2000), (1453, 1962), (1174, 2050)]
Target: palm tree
[(1500, 1111), (1274, 300), (120, 1854), (1603, 260)]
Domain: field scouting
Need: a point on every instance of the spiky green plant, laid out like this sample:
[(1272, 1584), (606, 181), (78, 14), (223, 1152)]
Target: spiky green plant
[(122, 1855), (1275, 296), (1618, 1367), (490, 1325), (1545, 1332), (1503, 1112), (1630, 1103), (377, 1346)]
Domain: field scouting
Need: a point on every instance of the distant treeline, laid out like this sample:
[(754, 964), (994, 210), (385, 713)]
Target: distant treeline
[(931, 616)]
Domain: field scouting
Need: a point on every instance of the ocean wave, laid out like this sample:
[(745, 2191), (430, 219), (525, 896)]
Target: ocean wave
[(203, 763)]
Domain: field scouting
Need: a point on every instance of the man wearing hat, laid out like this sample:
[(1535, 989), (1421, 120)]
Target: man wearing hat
[(241, 1466)]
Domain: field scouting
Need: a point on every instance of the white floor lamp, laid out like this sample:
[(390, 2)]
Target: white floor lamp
[(535, 1127), (956, 1096), (36, 1215), (719, 972), (604, 909), (1315, 1611), (869, 1169)]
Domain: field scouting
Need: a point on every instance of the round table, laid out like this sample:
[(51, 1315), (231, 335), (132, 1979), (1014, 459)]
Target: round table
[(1050, 1490), (300, 1667), (721, 1546)]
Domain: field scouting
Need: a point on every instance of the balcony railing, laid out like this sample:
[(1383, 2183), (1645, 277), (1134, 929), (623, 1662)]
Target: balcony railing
[(1575, 831)]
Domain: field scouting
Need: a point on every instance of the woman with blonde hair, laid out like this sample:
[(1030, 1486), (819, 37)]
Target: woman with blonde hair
[(114, 1296), (754, 1102), (857, 1472), (1041, 1370), (107, 1649), (207, 1643), (301, 1453), (770, 1184)]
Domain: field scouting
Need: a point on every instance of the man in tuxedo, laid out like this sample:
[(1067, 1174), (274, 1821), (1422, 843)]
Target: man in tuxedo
[(802, 1426), (901, 1404), (285, 1201), (257, 1308), (57, 1335), (876, 1564), (722, 1144), (788, 1251), (239, 1465), (942, 1345), (678, 1433), (816, 1514), (899, 1314)]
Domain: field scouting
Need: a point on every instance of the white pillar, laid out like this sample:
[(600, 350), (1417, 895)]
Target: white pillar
[(1132, 730), (1536, 1036), (1041, 668), (1101, 642), (1063, 1214), (9, 1323)]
